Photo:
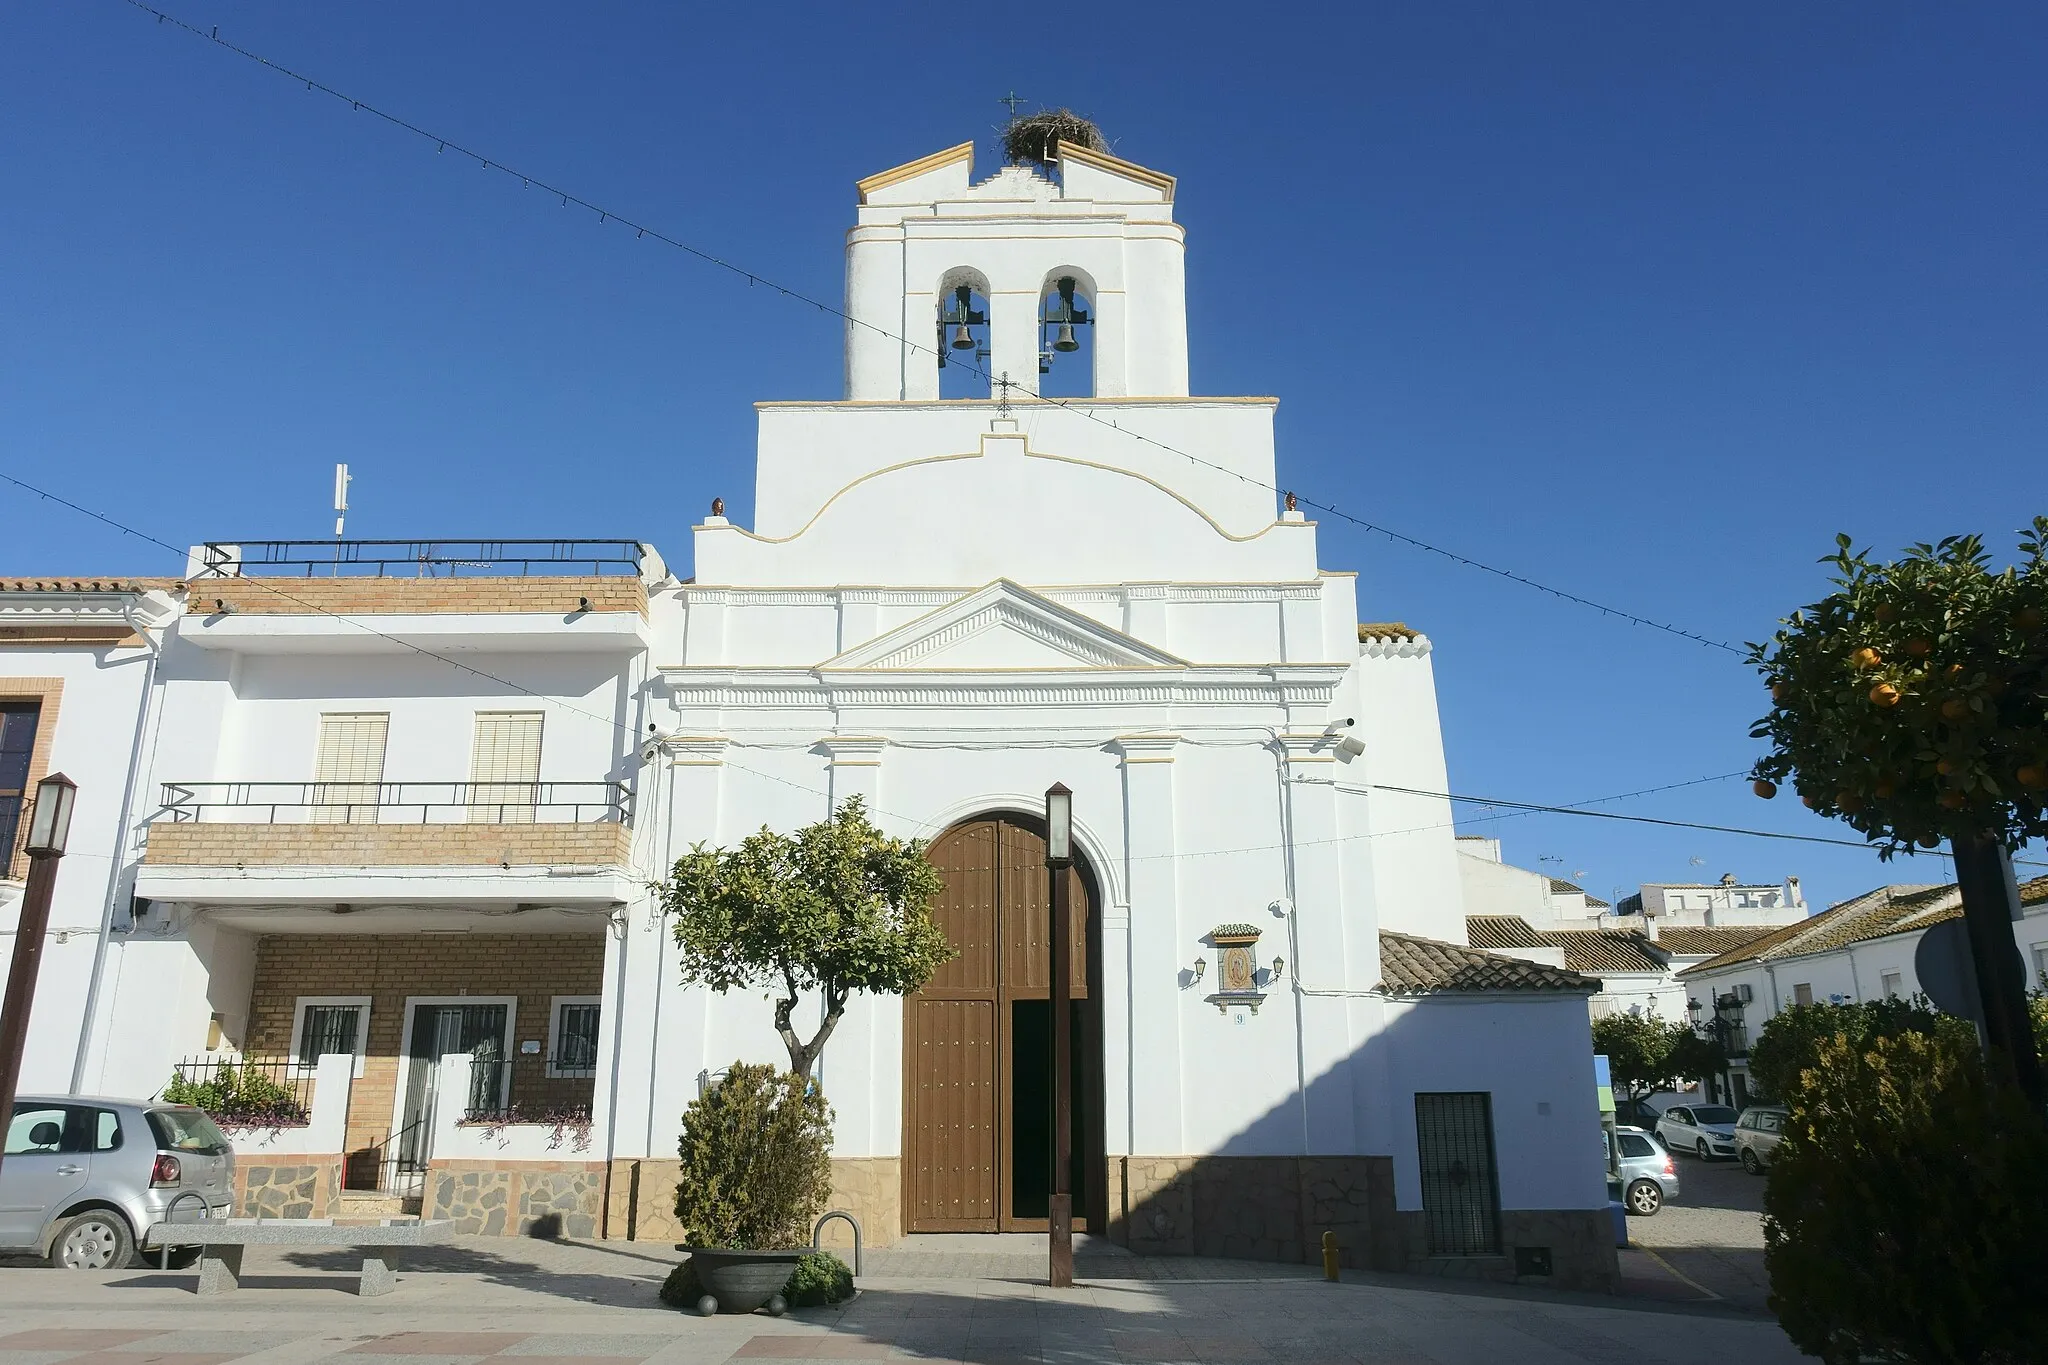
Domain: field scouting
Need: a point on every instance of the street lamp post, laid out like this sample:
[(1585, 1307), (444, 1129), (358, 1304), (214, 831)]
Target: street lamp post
[(1059, 858), (48, 827)]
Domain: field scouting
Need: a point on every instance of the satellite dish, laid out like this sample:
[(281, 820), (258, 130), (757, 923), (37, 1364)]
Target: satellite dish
[(1947, 972)]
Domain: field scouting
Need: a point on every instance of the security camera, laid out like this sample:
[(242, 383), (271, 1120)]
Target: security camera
[(1350, 747), (1345, 724)]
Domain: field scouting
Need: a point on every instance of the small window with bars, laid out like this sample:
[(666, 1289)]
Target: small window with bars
[(572, 1045), (18, 721), (1460, 1185), (330, 1024)]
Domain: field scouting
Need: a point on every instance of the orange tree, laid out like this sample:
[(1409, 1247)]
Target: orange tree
[(1912, 704)]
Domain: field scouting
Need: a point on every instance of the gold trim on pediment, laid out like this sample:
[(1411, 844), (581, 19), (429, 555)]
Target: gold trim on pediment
[(911, 169), (1115, 165)]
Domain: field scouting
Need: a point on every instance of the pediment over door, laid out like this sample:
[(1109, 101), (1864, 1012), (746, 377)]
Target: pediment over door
[(1001, 627)]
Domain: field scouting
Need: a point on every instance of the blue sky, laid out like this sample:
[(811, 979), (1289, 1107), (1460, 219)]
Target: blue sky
[(1646, 302)]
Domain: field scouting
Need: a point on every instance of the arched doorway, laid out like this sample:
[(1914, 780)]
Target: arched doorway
[(977, 1042)]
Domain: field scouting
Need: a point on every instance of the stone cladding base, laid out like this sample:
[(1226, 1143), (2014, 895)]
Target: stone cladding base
[(302, 1187), (1278, 1208), (516, 1198), (643, 1200)]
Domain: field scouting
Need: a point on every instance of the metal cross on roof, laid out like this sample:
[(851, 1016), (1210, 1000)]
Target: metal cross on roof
[(1013, 99)]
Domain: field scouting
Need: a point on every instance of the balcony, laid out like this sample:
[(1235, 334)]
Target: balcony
[(299, 597), (542, 842)]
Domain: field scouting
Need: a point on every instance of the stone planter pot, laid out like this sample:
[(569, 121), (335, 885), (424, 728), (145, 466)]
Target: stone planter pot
[(740, 1281)]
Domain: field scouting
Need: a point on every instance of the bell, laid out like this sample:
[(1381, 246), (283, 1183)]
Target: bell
[(962, 340), (1066, 341)]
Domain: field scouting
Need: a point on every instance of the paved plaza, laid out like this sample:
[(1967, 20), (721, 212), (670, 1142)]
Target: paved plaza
[(535, 1302)]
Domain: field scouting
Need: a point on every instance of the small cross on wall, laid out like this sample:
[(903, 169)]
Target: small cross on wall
[(1013, 99)]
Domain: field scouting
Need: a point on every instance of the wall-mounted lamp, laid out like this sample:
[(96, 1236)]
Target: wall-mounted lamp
[(1279, 966), (1201, 965)]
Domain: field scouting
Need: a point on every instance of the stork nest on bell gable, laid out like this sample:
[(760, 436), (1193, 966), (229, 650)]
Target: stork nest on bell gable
[(1035, 137)]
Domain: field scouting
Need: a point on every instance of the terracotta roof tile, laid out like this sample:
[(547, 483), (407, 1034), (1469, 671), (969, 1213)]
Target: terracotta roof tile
[(76, 585), (1606, 950), (1691, 941), (1387, 630), (1874, 914), (1423, 966), (1501, 931)]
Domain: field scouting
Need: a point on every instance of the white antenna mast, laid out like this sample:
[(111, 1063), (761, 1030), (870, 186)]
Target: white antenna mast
[(341, 482)]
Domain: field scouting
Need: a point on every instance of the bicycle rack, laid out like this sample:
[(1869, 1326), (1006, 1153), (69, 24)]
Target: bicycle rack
[(818, 1234)]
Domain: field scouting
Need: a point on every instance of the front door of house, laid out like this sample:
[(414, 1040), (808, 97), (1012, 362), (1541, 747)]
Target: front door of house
[(977, 1042), (440, 1030)]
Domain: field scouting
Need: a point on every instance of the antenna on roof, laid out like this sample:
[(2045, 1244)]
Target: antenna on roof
[(341, 483)]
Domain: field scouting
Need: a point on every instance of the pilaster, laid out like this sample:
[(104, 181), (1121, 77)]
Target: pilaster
[(867, 1047), (1153, 1087), (1319, 934)]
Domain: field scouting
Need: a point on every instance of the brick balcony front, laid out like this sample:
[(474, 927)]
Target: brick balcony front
[(224, 844)]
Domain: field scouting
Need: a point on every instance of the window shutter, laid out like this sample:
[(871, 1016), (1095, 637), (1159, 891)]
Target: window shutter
[(349, 767), (504, 767)]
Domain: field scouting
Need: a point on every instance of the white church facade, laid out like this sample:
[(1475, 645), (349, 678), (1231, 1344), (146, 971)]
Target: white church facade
[(396, 822)]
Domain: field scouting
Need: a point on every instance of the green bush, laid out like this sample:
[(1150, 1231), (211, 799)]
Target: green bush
[(682, 1288), (239, 1096), (818, 1279), (756, 1162), (1905, 1209), (1789, 1043)]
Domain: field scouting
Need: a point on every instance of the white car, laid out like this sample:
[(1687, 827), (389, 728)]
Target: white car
[(1702, 1130)]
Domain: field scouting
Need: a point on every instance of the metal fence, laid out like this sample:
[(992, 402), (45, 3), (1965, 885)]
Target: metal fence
[(399, 803), (420, 558), (252, 1091), (531, 1088), (1460, 1186)]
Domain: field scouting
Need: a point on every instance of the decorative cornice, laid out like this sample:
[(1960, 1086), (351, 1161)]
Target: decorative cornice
[(1138, 749), (1002, 605), (854, 751), (1393, 647), (1064, 151), (691, 594), (695, 751), (911, 169)]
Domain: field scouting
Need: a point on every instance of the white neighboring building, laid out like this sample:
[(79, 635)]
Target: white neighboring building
[(1861, 949), (1724, 904), (1637, 956), (408, 824), (78, 659)]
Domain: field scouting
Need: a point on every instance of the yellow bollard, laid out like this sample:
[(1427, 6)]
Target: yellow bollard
[(1330, 1257)]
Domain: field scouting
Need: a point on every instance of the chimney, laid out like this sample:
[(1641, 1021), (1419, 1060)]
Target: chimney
[(1794, 894)]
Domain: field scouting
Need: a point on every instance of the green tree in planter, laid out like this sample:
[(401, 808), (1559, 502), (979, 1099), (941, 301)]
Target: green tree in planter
[(1903, 1216), (756, 1157), (1912, 703), (835, 907)]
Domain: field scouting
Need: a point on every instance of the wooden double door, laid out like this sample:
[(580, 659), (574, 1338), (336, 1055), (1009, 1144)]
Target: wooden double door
[(977, 1042)]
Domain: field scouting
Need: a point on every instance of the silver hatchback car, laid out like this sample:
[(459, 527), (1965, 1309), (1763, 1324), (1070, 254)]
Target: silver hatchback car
[(1648, 1174), (82, 1179)]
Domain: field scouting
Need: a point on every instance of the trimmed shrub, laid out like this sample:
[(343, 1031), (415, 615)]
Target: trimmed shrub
[(756, 1157), (1789, 1041), (1904, 1214), (240, 1097), (818, 1279)]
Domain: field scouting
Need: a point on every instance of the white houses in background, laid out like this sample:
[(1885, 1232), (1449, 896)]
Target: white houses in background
[(1862, 949), (1636, 954), (403, 813)]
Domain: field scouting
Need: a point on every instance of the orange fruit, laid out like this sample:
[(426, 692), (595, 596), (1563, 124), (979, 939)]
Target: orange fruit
[(1779, 691), (1884, 694), (2029, 618), (1767, 789), (1885, 787), (1866, 657), (1955, 670), (1809, 803), (1944, 767), (1848, 801), (1955, 708), (1919, 648), (1952, 800), (1928, 841), (2034, 775), (1885, 611)]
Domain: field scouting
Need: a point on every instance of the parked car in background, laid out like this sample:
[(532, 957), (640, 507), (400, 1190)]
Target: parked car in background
[(1703, 1130), (1757, 1135), (82, 1180), (1649, 1174), (1637, 1114)]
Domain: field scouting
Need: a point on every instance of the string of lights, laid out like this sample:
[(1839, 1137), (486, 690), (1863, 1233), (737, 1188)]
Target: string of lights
[(642, 231)]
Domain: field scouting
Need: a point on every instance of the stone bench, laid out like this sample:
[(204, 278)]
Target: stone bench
[(221, 1242)]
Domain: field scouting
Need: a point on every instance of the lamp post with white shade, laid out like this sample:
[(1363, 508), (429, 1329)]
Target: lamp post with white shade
[(49, 827)]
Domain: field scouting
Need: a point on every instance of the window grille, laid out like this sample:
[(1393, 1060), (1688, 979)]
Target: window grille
[(328, 1028), (1460, 1187), (349, 768), (575, 1040)]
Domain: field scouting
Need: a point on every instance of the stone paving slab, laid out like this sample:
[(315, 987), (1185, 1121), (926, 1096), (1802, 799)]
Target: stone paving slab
[(502, 1300)]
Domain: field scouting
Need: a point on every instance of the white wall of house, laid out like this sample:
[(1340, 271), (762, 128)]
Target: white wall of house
[(93, 732)]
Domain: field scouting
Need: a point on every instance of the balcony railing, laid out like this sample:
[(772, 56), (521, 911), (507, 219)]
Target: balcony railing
[(421, 558), (398, 803)]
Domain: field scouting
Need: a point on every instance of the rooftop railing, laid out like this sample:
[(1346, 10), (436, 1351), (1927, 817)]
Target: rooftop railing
[(398, 803), (420, 558)]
